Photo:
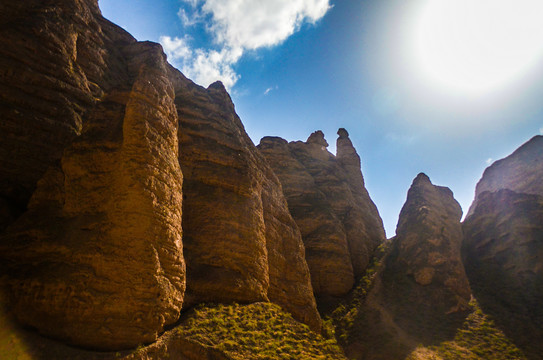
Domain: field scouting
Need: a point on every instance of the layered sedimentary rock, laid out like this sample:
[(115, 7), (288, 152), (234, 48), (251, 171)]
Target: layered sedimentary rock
[(241, 243), (53, 67), (340, 225), (97, 258), (424, 286), (503, 245)]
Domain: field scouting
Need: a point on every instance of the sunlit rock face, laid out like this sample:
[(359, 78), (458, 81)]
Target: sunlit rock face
[(424, 285), (241, 244), (54, 67), (503, 246), (96, 260), (96, 128), (340, 224)]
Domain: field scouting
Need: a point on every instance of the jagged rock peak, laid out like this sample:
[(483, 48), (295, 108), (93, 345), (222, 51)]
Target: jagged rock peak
[(345, 150), (424, 272), (217, 85), (342, 133), (339, 222), (317, 137), (421, 178)]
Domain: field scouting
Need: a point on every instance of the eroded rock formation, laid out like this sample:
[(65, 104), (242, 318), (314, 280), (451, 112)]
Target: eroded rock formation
[(423, 273), (340, 224), (241, 243), (96, 126), (421, 293), (97, 258), (503, 246), (520, 172)]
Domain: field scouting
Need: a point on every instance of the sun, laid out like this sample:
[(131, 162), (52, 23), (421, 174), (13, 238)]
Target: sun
[(474, 47)]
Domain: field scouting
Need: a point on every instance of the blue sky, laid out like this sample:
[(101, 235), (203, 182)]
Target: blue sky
[(421, 86)]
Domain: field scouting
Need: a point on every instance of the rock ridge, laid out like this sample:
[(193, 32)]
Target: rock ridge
[(340, 224)]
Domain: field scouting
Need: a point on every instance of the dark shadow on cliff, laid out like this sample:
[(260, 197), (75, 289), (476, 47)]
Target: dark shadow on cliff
[(517, 313), (503, 251), (374, 323)]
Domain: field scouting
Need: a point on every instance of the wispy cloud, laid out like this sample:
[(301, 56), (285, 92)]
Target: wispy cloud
[(268, 90), (489, 161), (236, 26)]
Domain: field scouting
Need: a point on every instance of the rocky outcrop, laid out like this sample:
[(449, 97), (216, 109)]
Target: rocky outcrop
[(423, 284), (241, 243), (54, 66), (503, 245), (520, 172), (326, 196), (97, 127), (97, 258)]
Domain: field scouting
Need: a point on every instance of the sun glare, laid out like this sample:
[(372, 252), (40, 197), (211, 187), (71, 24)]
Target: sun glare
[(474, 47)]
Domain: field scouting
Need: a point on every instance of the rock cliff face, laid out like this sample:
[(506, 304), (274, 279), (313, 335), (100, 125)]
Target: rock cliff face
[(53, 68), (326, 196), (423, 272), (520, 172), (503, 246), (96, 129), (241, 243), (97, 258), (421, 292)]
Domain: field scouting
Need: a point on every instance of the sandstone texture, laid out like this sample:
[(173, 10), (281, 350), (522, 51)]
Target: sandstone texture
[(53, 66), (424, 286), (96, 260), (241, 244), (326, 196), (503, 245)]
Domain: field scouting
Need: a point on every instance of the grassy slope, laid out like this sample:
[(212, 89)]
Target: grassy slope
[(357, 327), (256, 331)]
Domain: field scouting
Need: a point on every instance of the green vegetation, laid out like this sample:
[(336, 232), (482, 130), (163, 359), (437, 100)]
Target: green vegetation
[(346, 314), (478, 338), (256, 331)]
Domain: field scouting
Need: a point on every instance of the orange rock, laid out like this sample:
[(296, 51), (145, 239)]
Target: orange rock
[(241, 243), (97, 259), (340, 225)]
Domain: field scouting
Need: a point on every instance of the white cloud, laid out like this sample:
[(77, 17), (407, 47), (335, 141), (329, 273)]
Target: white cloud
[(202, 66), (268, 90), (489, 161), (236, 26), (252, 24), (541, 131)]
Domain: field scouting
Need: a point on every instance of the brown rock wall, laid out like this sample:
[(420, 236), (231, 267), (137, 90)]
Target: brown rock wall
[(241, 243), (97, 259), (340, 225), (520, 172), (503, 245), (53, 67), (424, 285)]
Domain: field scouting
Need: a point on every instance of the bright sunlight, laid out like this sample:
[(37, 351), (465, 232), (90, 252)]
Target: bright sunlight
[(474, 47)]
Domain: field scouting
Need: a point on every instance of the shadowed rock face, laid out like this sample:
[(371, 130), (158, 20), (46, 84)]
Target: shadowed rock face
[(424, 286), (241, 243), (503, 245), (97, 259), (340, 224)]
